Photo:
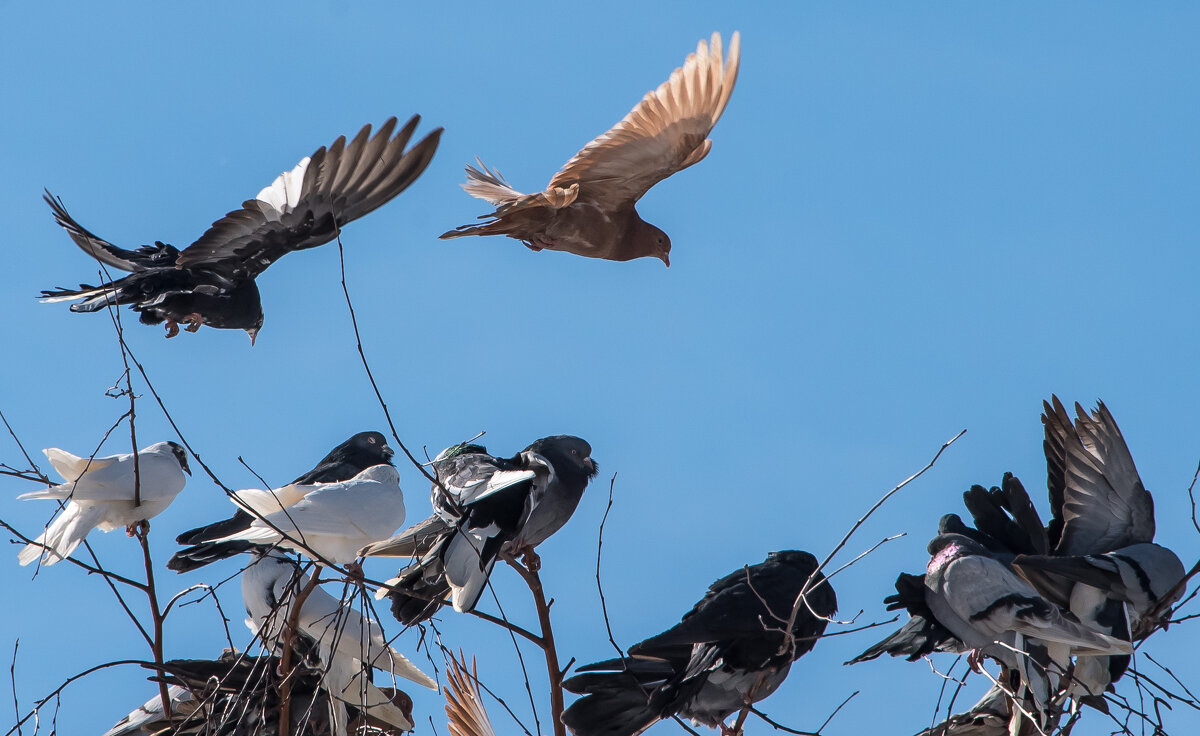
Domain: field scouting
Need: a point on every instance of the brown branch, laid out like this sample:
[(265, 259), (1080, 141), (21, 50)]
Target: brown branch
[(505, 623), (156, 615), (555, 674), (285, 659)]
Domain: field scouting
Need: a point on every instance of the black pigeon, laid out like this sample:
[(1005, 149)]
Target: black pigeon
[(343, 462), (490, 505), (212, 281), (723, 655)]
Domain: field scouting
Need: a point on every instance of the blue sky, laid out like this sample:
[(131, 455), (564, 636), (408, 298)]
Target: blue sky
[(915, 219)]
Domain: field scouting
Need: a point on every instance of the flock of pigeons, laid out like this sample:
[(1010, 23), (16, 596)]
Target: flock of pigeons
[(1059, 606)]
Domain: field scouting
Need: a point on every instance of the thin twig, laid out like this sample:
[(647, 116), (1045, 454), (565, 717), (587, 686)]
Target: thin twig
[(802, 598), (553, 671)]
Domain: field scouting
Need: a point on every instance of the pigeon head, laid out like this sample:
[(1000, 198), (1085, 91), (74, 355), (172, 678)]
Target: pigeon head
[(180, 455), (567, 453), (795, 558), (253, 331), (945, 548), (363, 450)]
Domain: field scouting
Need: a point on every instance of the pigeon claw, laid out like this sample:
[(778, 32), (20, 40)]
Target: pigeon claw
[(193, 321), (530, 559), (974, 659), (354, 571), (172, 328)]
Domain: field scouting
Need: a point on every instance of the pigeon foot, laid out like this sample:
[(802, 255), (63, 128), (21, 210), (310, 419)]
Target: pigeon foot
[(193, 321), (172, 328), (530, 559), (974, 659)]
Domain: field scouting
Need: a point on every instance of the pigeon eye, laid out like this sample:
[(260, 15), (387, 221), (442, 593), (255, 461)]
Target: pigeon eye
[(574, 451)]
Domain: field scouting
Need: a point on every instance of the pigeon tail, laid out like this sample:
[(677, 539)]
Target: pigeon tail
[(95, 297), (63, 535), (197, 556), (615, 703), (489, 185)]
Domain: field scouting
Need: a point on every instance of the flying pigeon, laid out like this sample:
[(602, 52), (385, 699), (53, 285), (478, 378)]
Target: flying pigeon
[(342, 463), (212, 281), (490, 505), (348, 643), (588, 208), (995, 613), (332, 520), (100, 492), (722, 656)]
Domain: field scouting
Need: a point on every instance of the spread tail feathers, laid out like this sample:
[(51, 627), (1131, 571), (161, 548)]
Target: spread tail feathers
[(94, 298), (489, 185)]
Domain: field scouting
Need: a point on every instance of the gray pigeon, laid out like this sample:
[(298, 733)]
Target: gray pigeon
[(983, 603), (490, 505)]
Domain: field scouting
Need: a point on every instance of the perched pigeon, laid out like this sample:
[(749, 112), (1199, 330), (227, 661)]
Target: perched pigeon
[(333, 520), (989, 717), (983, 603), (148, 718), (212, 281), (348, 644), (490, 505), (100, 492), (342, 463), (722, 656), (239, 695), (1104, 568), (588, 207)]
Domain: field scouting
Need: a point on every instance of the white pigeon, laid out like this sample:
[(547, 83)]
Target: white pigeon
[(100, 491), (182, 704), (332, 520), (346, 640)]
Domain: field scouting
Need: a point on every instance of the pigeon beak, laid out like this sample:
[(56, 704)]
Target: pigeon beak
[(184, 464), (666, 259), (253, 333), (388, 453)]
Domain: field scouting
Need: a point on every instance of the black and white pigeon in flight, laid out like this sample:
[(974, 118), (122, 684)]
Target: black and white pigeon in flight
[(100, 492), (490, 505), (728, 652), (342, 463), (212, 281)]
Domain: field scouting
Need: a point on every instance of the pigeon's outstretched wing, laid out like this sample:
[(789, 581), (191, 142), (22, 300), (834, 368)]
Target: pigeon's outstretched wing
[(665, 133), (307, 206), (148, 256), (1096, 494)]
